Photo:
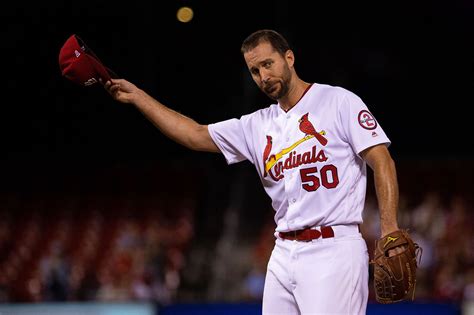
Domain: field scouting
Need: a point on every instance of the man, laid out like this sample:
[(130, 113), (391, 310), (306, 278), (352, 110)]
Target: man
[(310, 150)]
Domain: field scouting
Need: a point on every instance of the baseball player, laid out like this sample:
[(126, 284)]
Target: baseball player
[(310, 150)]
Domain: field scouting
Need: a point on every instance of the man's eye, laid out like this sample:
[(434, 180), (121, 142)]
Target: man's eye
[(267, 64)]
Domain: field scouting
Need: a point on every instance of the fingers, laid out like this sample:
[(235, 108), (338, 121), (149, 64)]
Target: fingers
[(120, 89), (110, 82), (112, 86)]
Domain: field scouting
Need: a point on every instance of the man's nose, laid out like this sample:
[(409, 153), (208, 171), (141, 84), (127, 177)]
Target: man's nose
[(264, 75)]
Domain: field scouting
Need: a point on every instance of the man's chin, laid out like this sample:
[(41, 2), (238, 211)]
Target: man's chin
[(273, 94)]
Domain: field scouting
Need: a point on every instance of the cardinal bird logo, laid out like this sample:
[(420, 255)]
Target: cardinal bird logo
[(266, 153), (308, 129)]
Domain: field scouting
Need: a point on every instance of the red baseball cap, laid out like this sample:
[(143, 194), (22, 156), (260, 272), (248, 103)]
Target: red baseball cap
[(79, 64)]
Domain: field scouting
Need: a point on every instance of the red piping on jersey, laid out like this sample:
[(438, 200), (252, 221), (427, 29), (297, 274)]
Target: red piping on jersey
[(307, 89)]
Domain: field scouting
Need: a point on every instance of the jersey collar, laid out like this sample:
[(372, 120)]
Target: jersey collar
[(302, 95)]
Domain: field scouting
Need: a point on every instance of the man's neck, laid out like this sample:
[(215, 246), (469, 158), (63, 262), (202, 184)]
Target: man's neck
[(295, 94)]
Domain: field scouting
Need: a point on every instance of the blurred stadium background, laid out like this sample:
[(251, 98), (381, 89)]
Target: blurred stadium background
[(101, 214)]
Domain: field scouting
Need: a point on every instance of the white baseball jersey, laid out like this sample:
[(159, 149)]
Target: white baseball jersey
[(307, 158)]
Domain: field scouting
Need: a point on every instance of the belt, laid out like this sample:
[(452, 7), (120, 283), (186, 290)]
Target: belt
[(309, 234)]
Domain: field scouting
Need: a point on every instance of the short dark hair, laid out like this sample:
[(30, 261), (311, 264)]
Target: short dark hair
[(278, 42)]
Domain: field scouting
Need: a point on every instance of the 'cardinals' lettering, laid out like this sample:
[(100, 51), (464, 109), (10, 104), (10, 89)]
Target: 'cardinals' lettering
[(294, 160)]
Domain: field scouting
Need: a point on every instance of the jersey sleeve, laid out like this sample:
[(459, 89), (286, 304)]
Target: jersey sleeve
[(361, 128), (231, 139)]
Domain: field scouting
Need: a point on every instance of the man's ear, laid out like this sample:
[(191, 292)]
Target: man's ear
[(290, 57)]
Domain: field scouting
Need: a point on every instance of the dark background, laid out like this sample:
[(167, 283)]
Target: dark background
[(412, 63)]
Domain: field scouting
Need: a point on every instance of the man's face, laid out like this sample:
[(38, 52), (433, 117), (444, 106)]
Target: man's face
[(269, 70)]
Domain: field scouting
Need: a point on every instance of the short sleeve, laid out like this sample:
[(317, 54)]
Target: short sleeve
[(361, 128), (230, 138)]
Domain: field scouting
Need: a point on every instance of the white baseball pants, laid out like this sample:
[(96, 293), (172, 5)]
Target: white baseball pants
[(320, 277)]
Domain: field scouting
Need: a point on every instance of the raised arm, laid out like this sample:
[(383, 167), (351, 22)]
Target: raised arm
[(172, 124), (386, 185)]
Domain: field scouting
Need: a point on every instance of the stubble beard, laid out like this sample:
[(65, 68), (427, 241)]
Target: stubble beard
[(284, 83)]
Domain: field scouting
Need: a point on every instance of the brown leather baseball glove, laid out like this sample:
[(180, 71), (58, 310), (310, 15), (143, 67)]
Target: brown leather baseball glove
[(395, 275)]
